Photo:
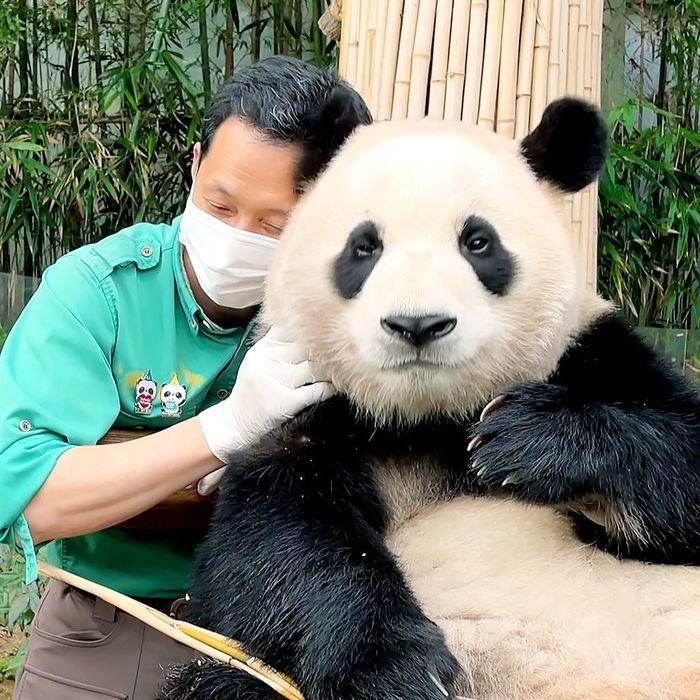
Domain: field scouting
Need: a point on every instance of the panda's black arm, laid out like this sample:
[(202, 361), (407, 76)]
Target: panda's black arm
[(295, 567), (614, 422)]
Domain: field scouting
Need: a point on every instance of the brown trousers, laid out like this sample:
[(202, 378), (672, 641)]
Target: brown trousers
[(81, 648)]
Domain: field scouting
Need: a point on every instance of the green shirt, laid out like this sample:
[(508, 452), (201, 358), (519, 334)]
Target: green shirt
[(112, 338)]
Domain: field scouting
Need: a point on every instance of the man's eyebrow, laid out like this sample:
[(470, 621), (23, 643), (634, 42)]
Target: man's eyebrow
[(219, 187)]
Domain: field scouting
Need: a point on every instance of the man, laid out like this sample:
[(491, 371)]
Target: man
[(148, 328)]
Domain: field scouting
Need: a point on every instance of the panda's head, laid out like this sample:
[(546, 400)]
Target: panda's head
[(430, 267)]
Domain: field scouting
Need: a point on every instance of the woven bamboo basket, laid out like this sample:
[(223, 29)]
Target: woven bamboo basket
[(496, 63)]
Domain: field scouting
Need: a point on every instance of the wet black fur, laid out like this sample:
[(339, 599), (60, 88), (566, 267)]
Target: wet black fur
[(295, 564)]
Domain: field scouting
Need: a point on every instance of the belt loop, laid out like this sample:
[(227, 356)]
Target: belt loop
[(104, 611)]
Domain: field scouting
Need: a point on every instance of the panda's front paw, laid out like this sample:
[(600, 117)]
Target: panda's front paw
[(527, 443), (413, 662)]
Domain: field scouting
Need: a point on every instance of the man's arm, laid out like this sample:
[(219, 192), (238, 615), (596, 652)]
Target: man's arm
[(97, 486)]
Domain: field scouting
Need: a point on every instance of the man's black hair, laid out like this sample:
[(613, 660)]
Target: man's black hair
[(291, 101)]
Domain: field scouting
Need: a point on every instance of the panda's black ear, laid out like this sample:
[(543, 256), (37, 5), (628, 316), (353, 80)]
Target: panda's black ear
[(330, 123), (569, 146)]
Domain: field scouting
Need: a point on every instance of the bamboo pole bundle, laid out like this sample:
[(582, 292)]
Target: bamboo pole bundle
[(507, 80), (402, 82), (377, 52), (554, 64), (492, 64), (420, 62), (389, 59), (527, 48), (441, 52), (457, 61), (475, 61), (540, 64)]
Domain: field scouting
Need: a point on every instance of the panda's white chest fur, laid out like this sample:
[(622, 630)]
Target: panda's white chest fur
[(529, 611)]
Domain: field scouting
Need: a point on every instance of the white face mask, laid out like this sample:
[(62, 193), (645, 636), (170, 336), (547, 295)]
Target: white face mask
[(230, 264)]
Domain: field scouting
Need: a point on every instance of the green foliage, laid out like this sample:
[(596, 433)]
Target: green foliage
[(102, 102), (18, 604), (649, 245)]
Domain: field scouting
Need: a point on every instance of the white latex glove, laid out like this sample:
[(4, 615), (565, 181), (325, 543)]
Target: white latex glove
[(276, 380)]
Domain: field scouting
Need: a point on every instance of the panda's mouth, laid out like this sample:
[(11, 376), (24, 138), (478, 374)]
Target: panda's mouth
[(409, 363)]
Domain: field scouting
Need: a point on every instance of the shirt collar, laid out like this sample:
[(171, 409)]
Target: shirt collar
[(196, 317)]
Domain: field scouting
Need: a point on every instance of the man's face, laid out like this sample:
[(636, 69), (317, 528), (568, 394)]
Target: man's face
[(245, 180)]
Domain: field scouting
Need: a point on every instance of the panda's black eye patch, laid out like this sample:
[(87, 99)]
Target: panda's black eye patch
[(480, 245), (355, 264)]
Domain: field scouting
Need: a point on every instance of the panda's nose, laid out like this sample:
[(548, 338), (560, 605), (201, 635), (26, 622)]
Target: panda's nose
[(419, 330)]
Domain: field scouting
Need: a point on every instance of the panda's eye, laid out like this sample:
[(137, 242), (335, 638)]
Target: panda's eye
[(477, 237), (151, 392), (477, 245), (354, 265), (166, 394)]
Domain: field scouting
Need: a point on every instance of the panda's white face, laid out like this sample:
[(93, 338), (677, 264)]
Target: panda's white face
[(427, 269)]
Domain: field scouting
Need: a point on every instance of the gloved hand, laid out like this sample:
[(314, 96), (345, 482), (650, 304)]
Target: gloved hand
[(276, 380)]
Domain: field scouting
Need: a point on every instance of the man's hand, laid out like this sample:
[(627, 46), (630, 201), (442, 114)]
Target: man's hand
[(276, 381)]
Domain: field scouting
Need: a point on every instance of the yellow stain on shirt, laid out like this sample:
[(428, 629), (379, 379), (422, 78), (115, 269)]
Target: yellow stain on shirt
[(191, 380), (130, 380)]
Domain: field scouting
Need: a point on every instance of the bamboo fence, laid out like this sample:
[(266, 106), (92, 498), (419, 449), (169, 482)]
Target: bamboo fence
[(496, 63)]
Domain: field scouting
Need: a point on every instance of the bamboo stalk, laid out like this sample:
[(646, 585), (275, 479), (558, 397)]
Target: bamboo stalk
[(492, 64), (368, 33), (554, 63), (475, 61), (203, 49), (389, 59), (572, 46), (420, 62), (402, 82), (344, 39), (212, 644), (441, 52), (563, 46), (353, 19), (457, 61), (597, 40), (584, 48), (378, 54), (540, 67), (525, 56), (508, 74), (367, 11)]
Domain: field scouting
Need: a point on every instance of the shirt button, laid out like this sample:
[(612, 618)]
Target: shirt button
[(146, 251), (222, 393), (25, 426), (193, 323)]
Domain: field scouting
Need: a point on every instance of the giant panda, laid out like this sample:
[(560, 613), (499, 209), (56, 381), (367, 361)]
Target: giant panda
[(503, 501)]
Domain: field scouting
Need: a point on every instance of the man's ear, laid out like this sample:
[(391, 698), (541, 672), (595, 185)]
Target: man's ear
[(569, 146), (196, 159)]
